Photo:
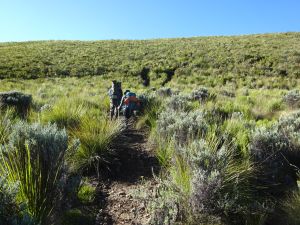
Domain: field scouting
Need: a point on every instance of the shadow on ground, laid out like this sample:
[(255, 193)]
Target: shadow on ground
[(134, 164), (133, 160)]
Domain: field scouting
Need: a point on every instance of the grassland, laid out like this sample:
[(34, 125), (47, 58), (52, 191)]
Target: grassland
[(225, 126), (190, 59)]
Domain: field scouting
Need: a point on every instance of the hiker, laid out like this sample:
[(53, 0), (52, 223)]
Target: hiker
[(115, 94), (131, 103)]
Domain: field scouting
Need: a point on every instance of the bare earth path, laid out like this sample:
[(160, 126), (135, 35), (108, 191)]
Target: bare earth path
[(119, 196)]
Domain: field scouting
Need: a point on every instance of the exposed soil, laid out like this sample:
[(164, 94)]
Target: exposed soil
[(120, 195)]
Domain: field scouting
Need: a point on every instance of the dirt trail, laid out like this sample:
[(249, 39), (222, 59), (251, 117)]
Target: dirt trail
[(132, 177)]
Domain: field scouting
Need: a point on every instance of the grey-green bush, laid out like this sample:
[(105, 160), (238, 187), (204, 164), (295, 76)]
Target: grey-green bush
[(20, 101), (269, 149), (292, 98), (11, 212), (289, 126), (220, 183), (178, 103), (181, 126), (201, 94), (35, 158)]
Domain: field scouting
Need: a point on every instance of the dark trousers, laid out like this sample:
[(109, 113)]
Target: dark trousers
[(114, 112)]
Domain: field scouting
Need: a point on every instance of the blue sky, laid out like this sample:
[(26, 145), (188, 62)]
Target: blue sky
[(22, 20)]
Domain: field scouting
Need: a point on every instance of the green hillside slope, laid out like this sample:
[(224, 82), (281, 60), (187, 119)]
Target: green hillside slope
[(253, 55)]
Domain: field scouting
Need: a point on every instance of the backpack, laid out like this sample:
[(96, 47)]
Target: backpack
[(131, 101), (116, 91)]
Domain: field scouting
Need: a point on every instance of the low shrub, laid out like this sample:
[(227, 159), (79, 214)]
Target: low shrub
[(206, 184), (20, 101), (289, 126), (269, 149), (11, 212), (181, 126), (165, 206), (178, 103), (34, 157), (292, 98), (220, 183), (202, 94)]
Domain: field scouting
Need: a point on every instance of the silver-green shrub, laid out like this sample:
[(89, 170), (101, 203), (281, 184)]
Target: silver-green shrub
[(11, 213), (181, 126), (201, 94), (20, 101), (35, 158), (219, 183), (178, 103), (292, 98), (272, 150), (289, 126)]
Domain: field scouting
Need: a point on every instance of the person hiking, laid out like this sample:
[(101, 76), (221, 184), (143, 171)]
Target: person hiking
[(130, 102), (115, 94)]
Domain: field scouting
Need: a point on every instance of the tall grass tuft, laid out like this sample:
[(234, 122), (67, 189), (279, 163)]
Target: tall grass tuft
[(34, 157), (66, 113), (151, 110), (6, 119), (291, 207), (96, 137)]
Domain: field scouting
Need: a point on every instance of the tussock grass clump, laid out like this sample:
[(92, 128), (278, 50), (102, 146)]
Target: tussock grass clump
[(238, 130), (65, 113), (151, 108), (6, 122), (291, 206), (34, 157), (96, 137)]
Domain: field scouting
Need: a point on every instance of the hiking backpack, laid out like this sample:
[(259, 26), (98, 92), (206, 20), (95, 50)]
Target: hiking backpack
[(131, 101), (116, 91)]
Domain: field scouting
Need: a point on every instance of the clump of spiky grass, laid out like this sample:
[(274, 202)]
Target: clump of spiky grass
[(291, 206), (65, 113), (6, 120), (96, 137), (34, 158), (151, 110)]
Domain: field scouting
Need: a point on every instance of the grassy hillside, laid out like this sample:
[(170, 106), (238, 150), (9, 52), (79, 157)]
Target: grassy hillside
[(224, 130), (198, 58)]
